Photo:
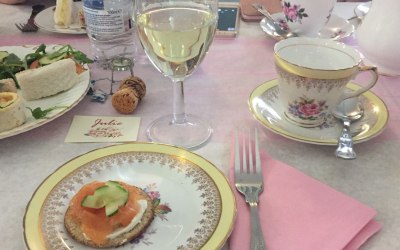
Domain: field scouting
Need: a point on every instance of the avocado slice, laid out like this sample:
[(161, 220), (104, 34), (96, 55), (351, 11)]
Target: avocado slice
[(112, 196)]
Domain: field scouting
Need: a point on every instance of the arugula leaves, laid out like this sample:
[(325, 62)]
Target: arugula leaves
[(38, 113)]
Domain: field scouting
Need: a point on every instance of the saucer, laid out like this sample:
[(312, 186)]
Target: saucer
[(266, 108), (337, 28)]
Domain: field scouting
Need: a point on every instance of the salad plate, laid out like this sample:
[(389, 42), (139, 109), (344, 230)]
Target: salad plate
[(65, 100), (45, 21), (195, 206), (336, 28), (265, 106)]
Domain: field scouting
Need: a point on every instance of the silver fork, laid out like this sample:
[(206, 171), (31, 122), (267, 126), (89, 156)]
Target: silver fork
[(249, 182), (30, 25)]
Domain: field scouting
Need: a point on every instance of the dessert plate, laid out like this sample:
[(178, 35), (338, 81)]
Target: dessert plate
[(45, 20), (67, 99), (265, 105), (337, 28), (195, 206)]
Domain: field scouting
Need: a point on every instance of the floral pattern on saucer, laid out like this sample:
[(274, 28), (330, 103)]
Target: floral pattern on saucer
[(265, 105)]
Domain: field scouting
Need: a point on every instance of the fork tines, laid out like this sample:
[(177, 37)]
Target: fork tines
[(27, 27), (251, 164)]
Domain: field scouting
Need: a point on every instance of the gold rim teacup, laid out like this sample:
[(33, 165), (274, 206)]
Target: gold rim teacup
[(312, 75)]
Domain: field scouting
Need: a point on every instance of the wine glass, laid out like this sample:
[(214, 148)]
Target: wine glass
[(176, 35)]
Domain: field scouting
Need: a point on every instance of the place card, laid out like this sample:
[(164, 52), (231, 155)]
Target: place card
[(103, 129)]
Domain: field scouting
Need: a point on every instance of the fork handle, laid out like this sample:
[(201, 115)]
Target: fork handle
[(257, 237)]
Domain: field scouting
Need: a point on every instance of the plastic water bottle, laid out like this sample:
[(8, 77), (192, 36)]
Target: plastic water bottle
[(110, 29)]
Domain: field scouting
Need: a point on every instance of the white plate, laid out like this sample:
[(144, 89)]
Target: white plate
[(201, 201), (266, 108), (337, 28), (69, 98), (44, 20)]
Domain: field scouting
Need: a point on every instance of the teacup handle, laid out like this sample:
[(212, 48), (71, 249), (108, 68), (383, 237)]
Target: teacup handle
[(374, 73)]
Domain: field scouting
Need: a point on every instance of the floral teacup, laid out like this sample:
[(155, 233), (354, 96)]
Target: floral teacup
[(313, 73), (307, 17)]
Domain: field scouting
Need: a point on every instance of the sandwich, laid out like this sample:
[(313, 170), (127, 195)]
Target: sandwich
[(48, 80), (63, 13), (108, 214)]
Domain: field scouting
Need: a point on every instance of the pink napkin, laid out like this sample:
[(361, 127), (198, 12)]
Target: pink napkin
[(299, 212)]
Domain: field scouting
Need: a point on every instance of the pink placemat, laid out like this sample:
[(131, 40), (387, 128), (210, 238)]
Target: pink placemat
[(299, 212)]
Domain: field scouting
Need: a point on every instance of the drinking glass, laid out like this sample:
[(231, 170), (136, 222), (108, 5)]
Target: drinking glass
[(176, 35)]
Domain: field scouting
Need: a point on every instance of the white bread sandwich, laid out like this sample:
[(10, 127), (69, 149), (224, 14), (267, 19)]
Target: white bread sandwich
[(108, 214), (12, 112), (63, 12), (47, 80)]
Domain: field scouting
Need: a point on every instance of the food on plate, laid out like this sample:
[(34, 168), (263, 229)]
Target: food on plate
[(12, 112), (63, 12), (11, 64), (48, 80), (129, 94), (8, 85), (108, 214)]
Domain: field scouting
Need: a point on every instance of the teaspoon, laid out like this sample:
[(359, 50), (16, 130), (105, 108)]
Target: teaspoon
[(347, 111), (274, 25)]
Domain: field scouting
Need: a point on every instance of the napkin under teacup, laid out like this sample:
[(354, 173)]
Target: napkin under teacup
[(298, 212)]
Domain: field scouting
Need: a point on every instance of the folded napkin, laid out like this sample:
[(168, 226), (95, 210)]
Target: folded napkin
[(298, 212)]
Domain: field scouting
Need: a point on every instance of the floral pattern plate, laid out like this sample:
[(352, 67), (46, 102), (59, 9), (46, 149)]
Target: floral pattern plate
[(337, 28), (265, 106), (67, 99), (196, 206)]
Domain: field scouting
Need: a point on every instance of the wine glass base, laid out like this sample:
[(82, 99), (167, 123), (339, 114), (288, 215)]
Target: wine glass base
[(192, 133)]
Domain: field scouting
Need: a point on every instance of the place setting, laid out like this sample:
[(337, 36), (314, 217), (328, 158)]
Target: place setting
[(185, 200)]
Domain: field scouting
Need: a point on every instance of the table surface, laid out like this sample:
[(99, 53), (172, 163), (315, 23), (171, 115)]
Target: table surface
[(219, 91)]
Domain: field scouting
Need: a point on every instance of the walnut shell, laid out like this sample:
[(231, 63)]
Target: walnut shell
[(136, 84), (125, 100)]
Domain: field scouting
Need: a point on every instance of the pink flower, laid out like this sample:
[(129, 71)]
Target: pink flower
[(291, 13), (154, 194), (309, 109)]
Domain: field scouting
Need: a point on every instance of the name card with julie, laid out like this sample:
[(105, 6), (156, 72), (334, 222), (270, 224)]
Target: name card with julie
[(103, 129)]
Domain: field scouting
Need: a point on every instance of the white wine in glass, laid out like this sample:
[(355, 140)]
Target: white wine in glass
[(176, 36)]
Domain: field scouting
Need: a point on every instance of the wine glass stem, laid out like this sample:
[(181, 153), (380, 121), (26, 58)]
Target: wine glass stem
[(179, 116)]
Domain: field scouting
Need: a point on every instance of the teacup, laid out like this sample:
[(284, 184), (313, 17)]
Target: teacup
[(307, 17), (312, 76)]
